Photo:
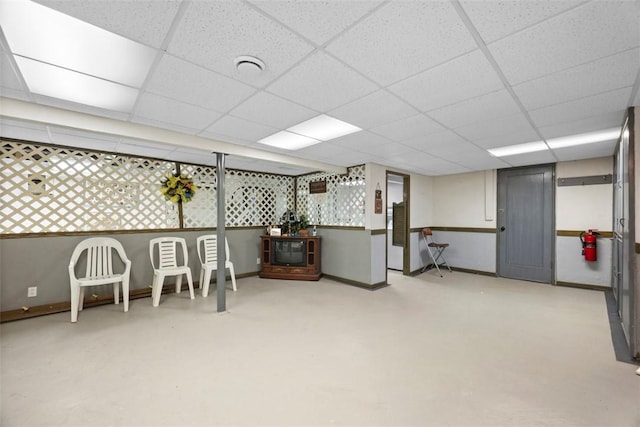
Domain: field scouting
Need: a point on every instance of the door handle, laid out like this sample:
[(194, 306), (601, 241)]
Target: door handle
[(502, 228)]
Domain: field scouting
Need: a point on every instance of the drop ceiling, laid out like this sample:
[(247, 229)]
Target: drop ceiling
[(433, 84)]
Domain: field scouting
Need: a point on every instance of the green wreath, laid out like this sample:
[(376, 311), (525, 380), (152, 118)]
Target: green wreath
[(178, 188)]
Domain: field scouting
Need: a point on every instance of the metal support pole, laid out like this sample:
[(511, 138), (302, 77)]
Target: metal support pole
[(221, 287)]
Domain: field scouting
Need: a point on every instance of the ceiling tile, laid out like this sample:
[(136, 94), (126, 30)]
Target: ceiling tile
[(507, 139), (591, 106), (588, 151), (375, 109), (334, 84), (476, 110), (584, 34), (482, 162), (237, 130), (536, 158), (462, 78), (593, 123), (273, 111), (186, 82), (170, 114), (361, 141), (497, 19), (73, 106), (516, 127), (411, 127), (603, 75), (387, 151), (315, 20), (433, 141), (214, 33), (124, 18), (403, 38)]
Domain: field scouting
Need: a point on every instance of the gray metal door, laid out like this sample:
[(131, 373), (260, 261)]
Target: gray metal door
[(525, 223)]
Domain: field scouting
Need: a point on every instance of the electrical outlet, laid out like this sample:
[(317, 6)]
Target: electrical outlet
[(258, 261), (32, 291)]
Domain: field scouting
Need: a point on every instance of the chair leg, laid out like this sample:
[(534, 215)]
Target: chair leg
[(201, 277), (434, 261), (233, 277), (205, 278), (156, 289), (179, 284), (125, 293), (75, 302), (81, 299), (116, 292), (190, 282)]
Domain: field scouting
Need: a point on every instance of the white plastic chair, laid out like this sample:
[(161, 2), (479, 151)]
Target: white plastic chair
[(208, 254), (97, 252), (168, 265), (435, 251)]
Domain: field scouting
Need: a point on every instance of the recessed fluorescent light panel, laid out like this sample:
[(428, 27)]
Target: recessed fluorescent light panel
[(61, 44), (288, 140), (324, 128), (313, 131), (512, 150), (584, 138)]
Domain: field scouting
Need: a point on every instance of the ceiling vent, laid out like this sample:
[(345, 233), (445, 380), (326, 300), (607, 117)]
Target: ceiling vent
[(249, 66)]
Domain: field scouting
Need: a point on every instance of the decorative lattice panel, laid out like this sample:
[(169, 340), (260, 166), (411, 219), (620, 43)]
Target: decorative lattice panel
[(56, 189), (341, 205), (251, 198), (52, 189)]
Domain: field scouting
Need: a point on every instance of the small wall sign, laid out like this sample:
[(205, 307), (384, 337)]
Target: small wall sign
[(378, 200), (317, 187)]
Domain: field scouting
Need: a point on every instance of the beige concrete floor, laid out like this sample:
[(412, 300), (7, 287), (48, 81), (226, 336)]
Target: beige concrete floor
[(463, 350)]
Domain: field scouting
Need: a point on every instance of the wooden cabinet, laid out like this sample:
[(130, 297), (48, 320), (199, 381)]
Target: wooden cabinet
[(295, 258)]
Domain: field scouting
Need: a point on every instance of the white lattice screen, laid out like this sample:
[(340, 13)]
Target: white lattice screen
[(251, 198), (51, 189), (55, 189), (341, 205)]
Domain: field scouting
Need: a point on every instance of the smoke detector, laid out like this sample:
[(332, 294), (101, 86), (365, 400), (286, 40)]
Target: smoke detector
[(249, 66)]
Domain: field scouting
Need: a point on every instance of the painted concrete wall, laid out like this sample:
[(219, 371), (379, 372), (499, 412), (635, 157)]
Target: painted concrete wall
[(374, 175), (43, 262), (349, 254), (584, 206), (460, 200), (422, 204), (468, 201), (580, 208)]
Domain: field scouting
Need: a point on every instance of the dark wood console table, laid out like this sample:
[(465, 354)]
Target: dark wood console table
[(306, 268)]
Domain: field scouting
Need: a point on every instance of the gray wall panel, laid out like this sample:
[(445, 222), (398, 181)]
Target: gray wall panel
[(571, 266), (43, 261), (347, 254)]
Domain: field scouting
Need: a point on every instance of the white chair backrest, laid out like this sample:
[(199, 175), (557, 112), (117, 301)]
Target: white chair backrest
[(99, 253), (168, 252), (208, 248)]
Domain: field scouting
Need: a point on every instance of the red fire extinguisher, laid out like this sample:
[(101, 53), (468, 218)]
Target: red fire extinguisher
[(589, 244)]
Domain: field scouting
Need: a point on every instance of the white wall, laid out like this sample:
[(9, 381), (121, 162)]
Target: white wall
[(461, 200), (579, 208), (421, 194), (374, 175)]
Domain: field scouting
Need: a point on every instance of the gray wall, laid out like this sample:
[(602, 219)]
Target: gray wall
[(43, 261), (348, 254)]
